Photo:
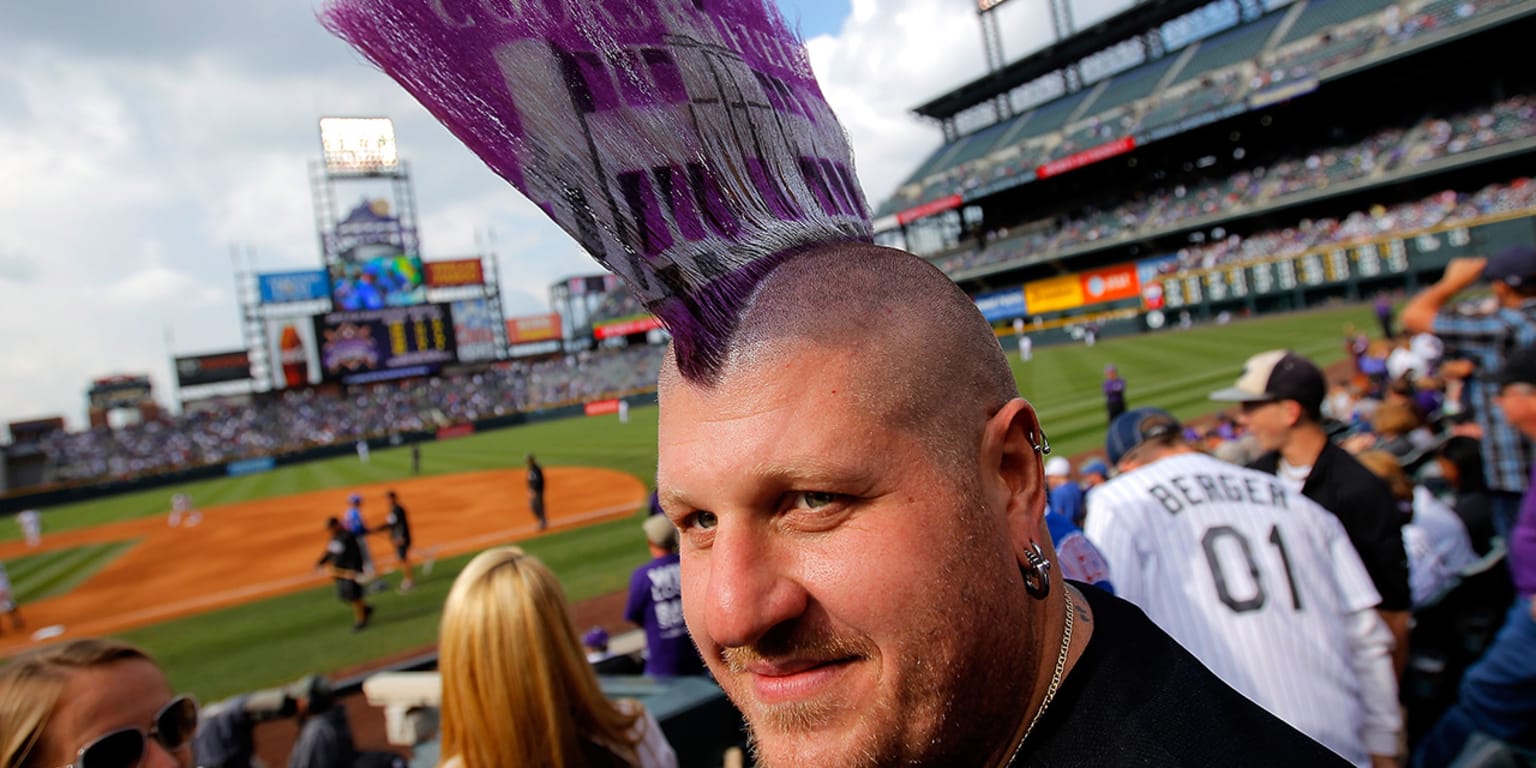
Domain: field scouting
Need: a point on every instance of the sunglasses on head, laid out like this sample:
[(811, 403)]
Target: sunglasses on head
[(125, 747)]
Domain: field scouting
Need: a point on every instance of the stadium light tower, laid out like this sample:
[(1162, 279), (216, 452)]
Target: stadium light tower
[(992, 41)]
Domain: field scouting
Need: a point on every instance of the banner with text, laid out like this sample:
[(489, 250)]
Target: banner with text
[(474, 329), (1053, 294), (521, 330), (626, 327), (1001, 305), (194, 370), (446, 274), (1111, 284), (285, 287)]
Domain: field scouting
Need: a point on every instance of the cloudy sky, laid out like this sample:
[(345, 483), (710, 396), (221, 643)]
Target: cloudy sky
[(142, 141)]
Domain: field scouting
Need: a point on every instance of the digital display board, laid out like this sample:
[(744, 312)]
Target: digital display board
[(375, 277), (361, 145), (396, 342), (195, 370)]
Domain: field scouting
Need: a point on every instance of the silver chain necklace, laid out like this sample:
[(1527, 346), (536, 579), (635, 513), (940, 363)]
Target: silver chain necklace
[(1050, 692)]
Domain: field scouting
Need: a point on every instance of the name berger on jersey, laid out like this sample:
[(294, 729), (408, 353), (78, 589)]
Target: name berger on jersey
[(1196, 489)]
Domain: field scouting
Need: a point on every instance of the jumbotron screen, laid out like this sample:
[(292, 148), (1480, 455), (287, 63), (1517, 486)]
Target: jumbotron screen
[(373, 345)]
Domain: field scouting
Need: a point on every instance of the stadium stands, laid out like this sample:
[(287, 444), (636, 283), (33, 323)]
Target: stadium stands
[(301, 419)]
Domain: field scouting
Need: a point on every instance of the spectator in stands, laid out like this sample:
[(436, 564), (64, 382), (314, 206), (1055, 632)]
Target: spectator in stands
[(1498, 693), (1064, 497), (1281, 396), (1433, 537), (656, 605), (1461, 465), (517, 689), (90, 703), (1487, 339), (226, 730)]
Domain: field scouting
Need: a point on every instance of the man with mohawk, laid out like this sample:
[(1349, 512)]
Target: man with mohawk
[(865, 563)]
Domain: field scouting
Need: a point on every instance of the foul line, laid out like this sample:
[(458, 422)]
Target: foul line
[(279, 586)]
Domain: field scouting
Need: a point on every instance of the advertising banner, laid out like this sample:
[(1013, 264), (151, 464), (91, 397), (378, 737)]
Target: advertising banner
[(602, 407), (1053, 294), (446, 274), (1150, 274), (1001, 305), (250, 466), (1111, 284), (285, 287), (396, 342), (1085, 158), (521, 330), (474, 330), (194, 370), (928, 209), (291, 348), (626, 327)]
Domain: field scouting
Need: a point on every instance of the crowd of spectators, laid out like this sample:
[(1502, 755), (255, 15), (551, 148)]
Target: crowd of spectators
[(1162, 209), (1298, 60), (300, 419)]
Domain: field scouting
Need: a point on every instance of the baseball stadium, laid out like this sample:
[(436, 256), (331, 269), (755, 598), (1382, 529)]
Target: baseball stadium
[(1163, 193)]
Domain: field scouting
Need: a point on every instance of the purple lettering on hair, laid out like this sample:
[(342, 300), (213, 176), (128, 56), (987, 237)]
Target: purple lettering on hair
[(679, 195), (665, 74), (766, 184), (655, 236), (707, 191), (811, 172)]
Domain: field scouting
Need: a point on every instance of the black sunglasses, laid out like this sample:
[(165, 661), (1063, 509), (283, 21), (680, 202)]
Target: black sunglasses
[(125, 747)]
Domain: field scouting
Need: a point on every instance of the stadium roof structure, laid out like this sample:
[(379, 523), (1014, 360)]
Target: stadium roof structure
[(1132, 22)]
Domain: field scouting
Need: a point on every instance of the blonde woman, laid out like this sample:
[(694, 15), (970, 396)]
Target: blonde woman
[(92, 704), (517, 689)]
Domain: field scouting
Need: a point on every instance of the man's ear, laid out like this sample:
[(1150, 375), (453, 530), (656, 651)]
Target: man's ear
[(1013, 462)]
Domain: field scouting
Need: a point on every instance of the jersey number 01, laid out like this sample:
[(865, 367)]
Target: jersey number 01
[(1212, 543)]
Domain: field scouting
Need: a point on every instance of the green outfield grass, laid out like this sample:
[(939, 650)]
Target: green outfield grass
[(268, 642), (37, 577)]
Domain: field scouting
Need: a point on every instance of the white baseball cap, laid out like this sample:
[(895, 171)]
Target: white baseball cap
[(1058, 466)]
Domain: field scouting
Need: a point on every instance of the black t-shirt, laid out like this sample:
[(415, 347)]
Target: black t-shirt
[(535, 478), (399, 527), (1364, 504), (1137, 698), (343, 553)]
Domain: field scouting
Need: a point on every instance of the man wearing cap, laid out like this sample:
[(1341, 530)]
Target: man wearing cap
[(225, 735), (1487, 340), (1065, 497), (1092, 474), (656, 605), (1498, 693), (1114, 392), (1257, 581), (354, 523), (1281, 398)]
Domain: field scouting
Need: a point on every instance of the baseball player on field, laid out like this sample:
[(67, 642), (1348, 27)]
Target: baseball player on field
[(183, 511), (344, 560), (8, 600), (31, 523), (399, 528), (354, 523), (1258, 582)]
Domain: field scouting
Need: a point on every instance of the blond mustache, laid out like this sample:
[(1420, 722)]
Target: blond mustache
[(771, 651)]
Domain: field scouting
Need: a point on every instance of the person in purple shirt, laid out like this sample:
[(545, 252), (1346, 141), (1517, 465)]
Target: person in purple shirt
[(656, 604), (1114, 392), (1498, 693)]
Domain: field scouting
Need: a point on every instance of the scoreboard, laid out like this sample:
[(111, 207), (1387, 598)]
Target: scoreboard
[(386, 343)]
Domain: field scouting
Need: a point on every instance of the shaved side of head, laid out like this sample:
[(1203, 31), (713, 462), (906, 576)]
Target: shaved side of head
[(934, 361)]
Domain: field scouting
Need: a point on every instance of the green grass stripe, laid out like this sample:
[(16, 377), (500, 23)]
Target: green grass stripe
[(49, 574)]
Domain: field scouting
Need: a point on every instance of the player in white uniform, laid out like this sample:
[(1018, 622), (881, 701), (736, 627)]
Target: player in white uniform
[(183, 512), (1026, 345), (31, 523), (1258, 582)]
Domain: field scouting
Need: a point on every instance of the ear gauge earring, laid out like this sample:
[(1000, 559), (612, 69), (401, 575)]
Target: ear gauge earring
[(1037, 572)]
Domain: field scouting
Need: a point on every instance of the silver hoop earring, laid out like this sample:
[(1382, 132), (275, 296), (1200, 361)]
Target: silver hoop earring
[(1037, 572), (1042, 444)]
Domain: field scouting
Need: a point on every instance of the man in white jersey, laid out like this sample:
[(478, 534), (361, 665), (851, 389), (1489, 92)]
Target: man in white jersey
[(1258, 582)]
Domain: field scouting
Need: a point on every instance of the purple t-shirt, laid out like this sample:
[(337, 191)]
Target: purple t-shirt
[(656, 604), (1522, 544), (1114, 391)]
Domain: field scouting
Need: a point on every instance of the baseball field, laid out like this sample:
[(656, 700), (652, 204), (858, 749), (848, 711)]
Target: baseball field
[(234, 603)]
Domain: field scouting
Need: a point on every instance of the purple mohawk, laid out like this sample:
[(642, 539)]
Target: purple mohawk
[(685, 144)]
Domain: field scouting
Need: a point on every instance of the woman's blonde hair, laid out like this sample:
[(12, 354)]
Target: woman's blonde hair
[(1394, 419), (1386, 466), (517, 688), (30, 686)]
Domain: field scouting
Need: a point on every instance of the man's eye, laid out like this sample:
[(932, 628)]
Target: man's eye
[(705, 520), (816, 499)]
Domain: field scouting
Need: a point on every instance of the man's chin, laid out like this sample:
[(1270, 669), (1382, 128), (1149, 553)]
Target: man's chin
[(802, 749)]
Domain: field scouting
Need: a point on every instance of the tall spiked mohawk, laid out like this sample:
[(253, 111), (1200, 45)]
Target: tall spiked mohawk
[(684, 143)]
